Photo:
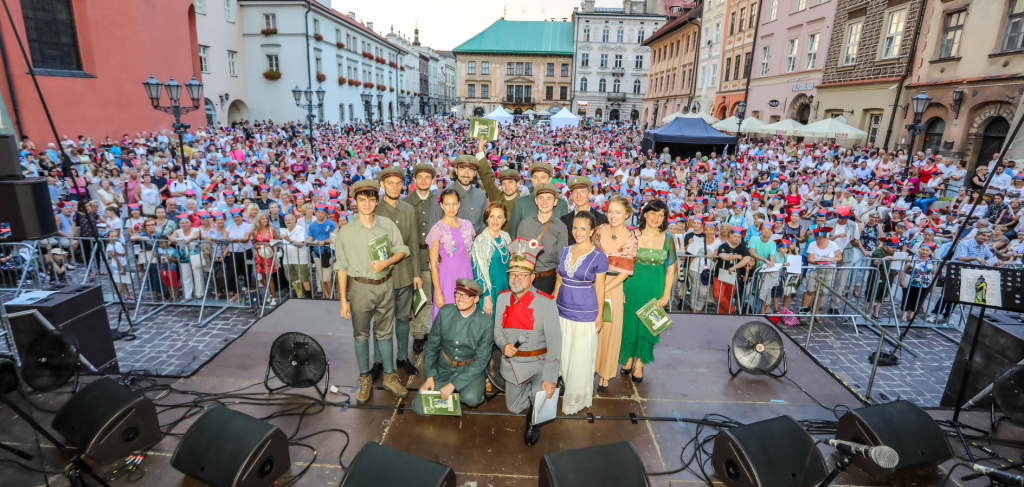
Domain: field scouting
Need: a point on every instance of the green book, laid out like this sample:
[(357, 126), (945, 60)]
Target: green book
[(380, 249), (434, 406), (653, 317), (483, 128), (419, 299)]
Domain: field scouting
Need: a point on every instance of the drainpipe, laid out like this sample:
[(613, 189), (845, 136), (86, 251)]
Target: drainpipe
[(10, 85), (903, 78), (696, 62), (309, 68)]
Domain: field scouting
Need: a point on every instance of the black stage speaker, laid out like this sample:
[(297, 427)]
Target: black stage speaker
[(377, 465), (900, 425), (775, 452), (77, 312), (615, 464), (1000, 344), (107, 421), (226, 448), (24, 202)]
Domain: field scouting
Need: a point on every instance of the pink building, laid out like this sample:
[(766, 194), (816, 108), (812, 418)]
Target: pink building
[(789, 55)]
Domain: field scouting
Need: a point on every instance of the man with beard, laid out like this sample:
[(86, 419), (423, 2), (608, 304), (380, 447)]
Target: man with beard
[(459, 348), (526, 206), (527, 331), (422, 199), (579, 188), (473, 200)]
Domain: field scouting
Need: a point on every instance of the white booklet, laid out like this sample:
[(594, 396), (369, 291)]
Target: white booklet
[(545, 409), (795, 264), (898, 259)]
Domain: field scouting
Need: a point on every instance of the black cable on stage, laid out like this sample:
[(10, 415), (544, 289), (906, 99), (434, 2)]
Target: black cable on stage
[(27, 467)]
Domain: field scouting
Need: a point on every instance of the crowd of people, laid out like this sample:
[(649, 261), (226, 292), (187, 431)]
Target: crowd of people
[(581, 226)]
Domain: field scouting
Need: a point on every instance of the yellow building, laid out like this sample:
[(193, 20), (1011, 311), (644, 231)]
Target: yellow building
[(672, 76)]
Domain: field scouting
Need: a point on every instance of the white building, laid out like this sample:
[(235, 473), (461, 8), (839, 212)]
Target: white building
[(450, 81), (293, 43), (713, 23), (410, 79), (610, 78), (434, 79), (219, 31)]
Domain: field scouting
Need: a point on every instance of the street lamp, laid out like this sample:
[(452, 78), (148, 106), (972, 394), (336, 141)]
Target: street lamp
[(366, 96), (958, 99), (195, 92), (309, 105), (741, 107), (401, 103), (919, 103), (380, 106)]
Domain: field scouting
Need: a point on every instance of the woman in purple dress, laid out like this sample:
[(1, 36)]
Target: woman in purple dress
[(581, 273), (450, 242)]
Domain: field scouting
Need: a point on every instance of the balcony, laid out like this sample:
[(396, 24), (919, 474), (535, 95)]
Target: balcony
[(519, 100), (612, 96), (618, 71)]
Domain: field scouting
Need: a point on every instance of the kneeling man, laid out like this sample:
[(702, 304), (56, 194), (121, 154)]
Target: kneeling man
[(527, 331), (458, 348)]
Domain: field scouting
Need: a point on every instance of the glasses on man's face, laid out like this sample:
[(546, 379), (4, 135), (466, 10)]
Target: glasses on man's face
[(462, 296), (514, 276), (151, 224)]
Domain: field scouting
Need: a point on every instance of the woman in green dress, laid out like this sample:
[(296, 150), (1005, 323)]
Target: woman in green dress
[(490, 257), (653, 275)]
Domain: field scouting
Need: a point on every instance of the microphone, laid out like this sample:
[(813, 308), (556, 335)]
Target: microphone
[(999, 475), (883, 456), (516, 345)]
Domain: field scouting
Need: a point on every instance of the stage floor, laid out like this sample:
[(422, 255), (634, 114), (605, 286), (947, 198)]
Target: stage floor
[(689, 378)]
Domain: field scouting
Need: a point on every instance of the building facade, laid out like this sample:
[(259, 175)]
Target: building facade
[(409, 84), (792, 44), (710, 64), (737, 54), (674, 49), (974, 47), (288, 46), (612, 60), (450, 83), (221, 60), (868, 57), (519, 65)]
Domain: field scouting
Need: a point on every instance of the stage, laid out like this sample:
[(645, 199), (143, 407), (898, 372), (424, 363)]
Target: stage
[(689, 379)]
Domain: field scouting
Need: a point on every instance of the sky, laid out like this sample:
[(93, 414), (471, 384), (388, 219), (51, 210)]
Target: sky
[(444, 24)]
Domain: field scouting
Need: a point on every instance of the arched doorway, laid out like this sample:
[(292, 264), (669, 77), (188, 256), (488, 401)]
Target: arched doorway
[(721, 113), (582, 112), (634, 115), (613, 114), (478, 112), (517, 111), (800, 109), (598, 114), (211, 112), (933, 135), (993, 138), (238, 111)]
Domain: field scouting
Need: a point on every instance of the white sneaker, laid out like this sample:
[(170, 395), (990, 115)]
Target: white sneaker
[(70, 267), (931, 318)]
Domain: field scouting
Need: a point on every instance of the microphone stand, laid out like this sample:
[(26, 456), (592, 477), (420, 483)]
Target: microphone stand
[(841, 465)]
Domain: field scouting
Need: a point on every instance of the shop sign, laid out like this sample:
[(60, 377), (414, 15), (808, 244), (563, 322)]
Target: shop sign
[(803, 87)]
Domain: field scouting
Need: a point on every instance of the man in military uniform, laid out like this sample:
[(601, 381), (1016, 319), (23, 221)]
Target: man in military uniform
[(552, 234), (421, 200), (407, 272), (459, 348), (540, 172), (472, 199), (505, 190), (372, 294), (527, 331), (579, 188)]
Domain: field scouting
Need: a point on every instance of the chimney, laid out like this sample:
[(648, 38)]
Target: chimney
[(588, 5), (352, 15), (369, 25)]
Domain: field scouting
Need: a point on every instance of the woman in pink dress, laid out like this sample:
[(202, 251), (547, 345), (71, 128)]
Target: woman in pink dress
[(450, 241)]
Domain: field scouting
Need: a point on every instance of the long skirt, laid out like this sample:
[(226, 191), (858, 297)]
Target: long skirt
[(579, 351), (609, 340)]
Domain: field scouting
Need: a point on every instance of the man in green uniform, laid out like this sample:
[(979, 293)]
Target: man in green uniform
[(505, 190), (421, 200), (406, 273), (371, 290), (459, 348), (525, 207)]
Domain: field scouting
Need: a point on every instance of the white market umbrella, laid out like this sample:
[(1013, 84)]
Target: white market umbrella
[(543, 113), (783, 127), (707, 117), (529, 112), (733, 125), (672, 117), (831, 128)]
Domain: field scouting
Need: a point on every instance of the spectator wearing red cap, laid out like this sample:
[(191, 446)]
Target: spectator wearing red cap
[(186, 238), (917, 274), (733, 258), (822, 255)]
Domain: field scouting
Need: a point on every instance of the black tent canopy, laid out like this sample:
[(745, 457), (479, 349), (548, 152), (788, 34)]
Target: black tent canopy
[(689, 131)]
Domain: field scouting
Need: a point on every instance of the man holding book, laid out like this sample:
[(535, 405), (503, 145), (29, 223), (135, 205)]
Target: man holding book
[(421, 200), (458, 348)]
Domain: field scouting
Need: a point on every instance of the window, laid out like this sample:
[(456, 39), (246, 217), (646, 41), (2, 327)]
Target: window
[(471, 67), (351, 112), (639, 63), (732, 23), (636, 87), (753, 15), (551, 69), (874, 123), (773, 10), (565, 69), (743, 14), (228, 14), (852, 42), (316, 26), (639, 36), (549, 92), (894, 33), (511, 70), (747, 61), (511, 93), (618, 60), (484, 91), (586, 33), (1014, 34), (527, 92), (204, 59), (563, 93), (951, 34), (584, 60), (604, 35), (485, 67), (736, 68), (604, 60), (341, 113), (799, 5), (233, 66), (50, 30), (272, 62), (714, 75), (812, 51), (583, 84), (619, 35), (200, 6), (791, 56), (319, 65), (718, 31), (529, 69), (602, 85), (700, 80), (727, 70), (337, 35), (766, 52), (616, 86)]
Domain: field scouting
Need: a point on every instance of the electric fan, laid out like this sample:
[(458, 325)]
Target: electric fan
[(298, 361), (757, 349), (49, 361), (1008, 390)]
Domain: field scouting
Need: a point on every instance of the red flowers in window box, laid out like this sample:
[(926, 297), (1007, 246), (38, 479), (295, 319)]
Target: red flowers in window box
[(382, 60), (367, 55), (318, 36), (272, 74), (393, 64), (341, 80), (402, 68), (320, 77), (354, 82), (341, 45), (391, 89), (269, 31), (381, 87), (368, 84)]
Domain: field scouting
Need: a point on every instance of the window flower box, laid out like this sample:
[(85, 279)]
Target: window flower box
[(272, 74)]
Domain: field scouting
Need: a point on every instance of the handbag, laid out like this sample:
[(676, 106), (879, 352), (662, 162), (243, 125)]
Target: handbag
[(705, 275)]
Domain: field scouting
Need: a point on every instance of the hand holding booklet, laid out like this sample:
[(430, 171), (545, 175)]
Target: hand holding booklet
[(545, 409), (433, 405)]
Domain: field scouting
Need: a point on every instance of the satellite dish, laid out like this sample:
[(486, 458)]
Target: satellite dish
[(299, 361), (1008, 390), (757, 349)]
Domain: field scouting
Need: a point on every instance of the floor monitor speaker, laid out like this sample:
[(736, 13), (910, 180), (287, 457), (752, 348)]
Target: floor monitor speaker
[(226, 448), (614, 464), (107, 421), (25, 206), (776, 452), (900, 425), (377, 465)]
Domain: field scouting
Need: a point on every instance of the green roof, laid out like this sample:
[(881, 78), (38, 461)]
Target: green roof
[(521, 37)]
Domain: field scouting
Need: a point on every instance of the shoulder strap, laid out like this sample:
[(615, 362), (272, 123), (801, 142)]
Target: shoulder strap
[(544, 230)]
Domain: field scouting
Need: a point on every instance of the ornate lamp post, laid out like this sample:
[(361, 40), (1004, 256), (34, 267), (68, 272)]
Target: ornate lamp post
[(366, 96), (309, 105), (195, 92), (741, 107), (380, 106), (958, 99), (919, 103)]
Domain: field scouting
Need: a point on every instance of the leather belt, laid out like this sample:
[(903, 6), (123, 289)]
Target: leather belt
[(453, 362), (372, 282), (545, 273), (531, 353), (424, 246)]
